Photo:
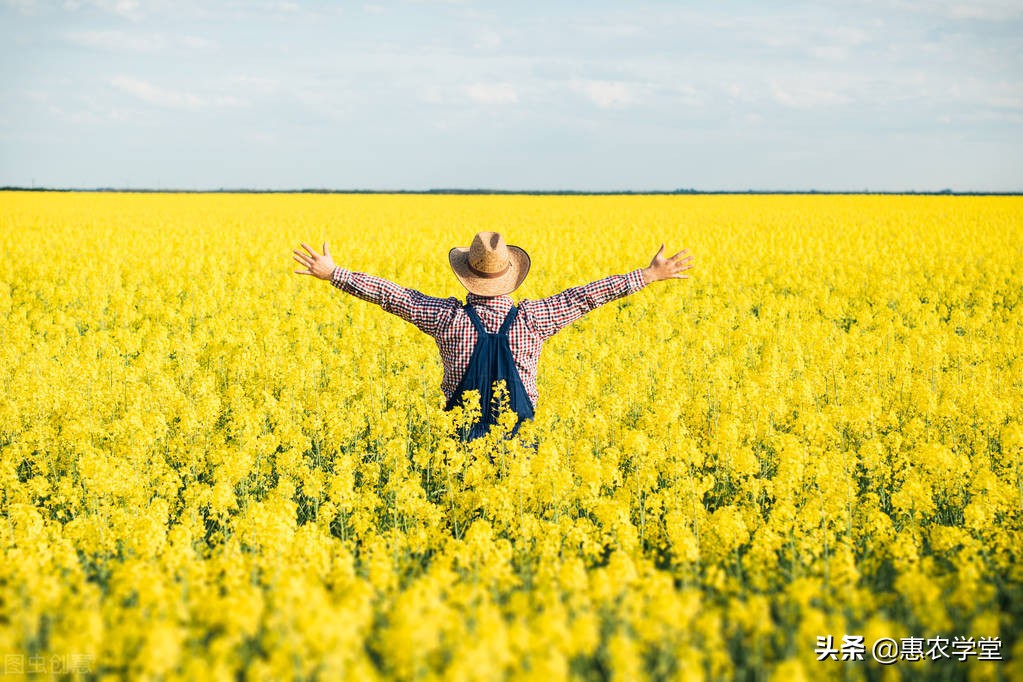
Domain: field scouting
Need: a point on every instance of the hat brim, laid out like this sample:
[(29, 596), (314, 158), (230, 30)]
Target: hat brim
[(508, 282)]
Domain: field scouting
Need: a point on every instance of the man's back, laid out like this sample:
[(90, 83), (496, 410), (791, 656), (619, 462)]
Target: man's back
[(446, 321)]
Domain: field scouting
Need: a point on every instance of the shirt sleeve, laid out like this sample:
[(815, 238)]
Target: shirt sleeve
[(427, 313), (549, 315)]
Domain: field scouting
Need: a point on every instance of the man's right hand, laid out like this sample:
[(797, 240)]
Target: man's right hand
[(318, 266)]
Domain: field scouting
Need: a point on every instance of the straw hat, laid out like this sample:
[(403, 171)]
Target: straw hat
[(489, 267)]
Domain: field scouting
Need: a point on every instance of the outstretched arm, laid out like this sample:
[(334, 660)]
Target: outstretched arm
[(549, 315), (425, 312)]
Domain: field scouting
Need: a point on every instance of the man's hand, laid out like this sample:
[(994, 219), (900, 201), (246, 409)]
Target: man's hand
[(316, 265), (668, 268)]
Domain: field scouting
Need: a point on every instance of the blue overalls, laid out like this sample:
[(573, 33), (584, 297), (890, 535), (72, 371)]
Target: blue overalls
[(492, 360)]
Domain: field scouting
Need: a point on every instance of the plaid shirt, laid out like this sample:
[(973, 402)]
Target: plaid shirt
[(447, 322)]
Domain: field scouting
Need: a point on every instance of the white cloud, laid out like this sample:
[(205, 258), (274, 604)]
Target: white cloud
[(152, 94), (797, 95), (282, 6), (608, 29), (81, 110), (335, 105), (122, 41), (492, 93), (604, 94), (256, 84), (430, 94), (197, 43), (230, 101), (174, 99), (24, 6), (127, 9), (986, 10), (87, 116), (486, 39), (837, 53), (118, 41), (1007, 101)]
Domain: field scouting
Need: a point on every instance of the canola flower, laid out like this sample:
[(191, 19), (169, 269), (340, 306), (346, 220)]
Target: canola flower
[(209, 471)]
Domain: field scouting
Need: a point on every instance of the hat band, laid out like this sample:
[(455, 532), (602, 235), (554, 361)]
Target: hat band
[(488, 275)]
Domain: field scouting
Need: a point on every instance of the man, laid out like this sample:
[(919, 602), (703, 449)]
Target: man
[(489, 338)]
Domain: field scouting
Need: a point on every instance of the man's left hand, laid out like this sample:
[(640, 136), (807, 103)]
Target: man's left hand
[(668, 268)]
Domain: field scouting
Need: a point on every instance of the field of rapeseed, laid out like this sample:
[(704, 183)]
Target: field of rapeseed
[(211, 468)]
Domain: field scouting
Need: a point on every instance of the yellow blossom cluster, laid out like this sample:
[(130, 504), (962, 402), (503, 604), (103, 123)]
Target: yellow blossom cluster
[(211, 468)]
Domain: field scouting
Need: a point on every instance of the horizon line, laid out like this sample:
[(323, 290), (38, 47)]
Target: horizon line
[(490, 191)]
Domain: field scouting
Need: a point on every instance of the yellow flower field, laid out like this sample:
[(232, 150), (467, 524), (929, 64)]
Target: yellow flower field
[(212, 468)]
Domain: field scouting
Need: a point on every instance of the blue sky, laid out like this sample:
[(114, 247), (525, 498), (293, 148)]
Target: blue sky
[(885, 95)]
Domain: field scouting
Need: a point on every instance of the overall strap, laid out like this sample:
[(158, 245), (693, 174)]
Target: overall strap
[(508, 320), (475, 319)]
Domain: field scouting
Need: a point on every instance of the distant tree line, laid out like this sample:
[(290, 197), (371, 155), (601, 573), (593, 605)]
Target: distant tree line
[(483, 191)]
